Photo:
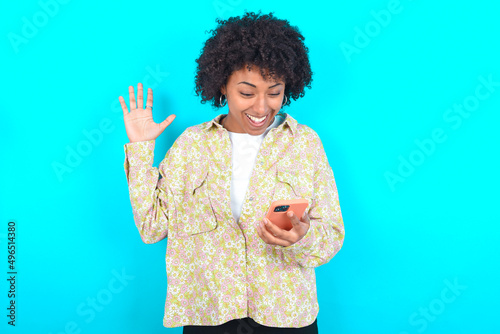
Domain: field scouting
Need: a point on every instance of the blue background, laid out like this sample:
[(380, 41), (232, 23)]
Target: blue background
[(421, 248)]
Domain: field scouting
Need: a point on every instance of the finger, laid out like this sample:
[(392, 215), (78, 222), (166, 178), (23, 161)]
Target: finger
[(131, 97), (293, 218), (268, 237), (305, 218), (167, 122), (263, 232), (271, 228), (260, 232), (149, 101), (277, 232), (258, 228), (124, 105), (140, 97), (274, 233)]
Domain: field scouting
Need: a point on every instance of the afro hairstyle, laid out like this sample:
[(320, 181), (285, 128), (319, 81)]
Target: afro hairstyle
[(265, 41)]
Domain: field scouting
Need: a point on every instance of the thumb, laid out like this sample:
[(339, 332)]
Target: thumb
[(293, 219), (163, 125)]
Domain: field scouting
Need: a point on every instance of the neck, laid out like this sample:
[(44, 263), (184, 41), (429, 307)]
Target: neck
[(223, 122)]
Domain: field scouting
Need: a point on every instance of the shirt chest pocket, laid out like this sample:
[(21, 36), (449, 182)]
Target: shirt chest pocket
[(293, 183), (194, 209)]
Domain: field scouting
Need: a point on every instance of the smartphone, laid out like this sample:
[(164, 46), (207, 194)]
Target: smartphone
[(278, 210)]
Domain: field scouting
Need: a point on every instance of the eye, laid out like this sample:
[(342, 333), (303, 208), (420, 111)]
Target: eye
[(275, 94), (245, 94)]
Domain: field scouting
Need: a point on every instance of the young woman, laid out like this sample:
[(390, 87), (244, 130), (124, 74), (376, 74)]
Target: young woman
[(228, 267)]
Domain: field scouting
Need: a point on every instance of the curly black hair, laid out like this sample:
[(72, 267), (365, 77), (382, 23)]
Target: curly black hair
[(271, 44)]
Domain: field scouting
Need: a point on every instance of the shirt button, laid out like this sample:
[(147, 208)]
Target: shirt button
[(251, 198)]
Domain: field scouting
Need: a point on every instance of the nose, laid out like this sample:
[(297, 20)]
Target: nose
[(261, 106)]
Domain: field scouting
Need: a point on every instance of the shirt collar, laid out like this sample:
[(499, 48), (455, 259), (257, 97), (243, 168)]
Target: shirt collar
[(215, 122), (289, 122)]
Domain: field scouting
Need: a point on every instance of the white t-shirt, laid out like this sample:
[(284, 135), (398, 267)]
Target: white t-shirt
[(245, 148)]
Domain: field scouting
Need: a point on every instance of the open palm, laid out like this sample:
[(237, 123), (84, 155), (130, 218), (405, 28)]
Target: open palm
[(139, 122)]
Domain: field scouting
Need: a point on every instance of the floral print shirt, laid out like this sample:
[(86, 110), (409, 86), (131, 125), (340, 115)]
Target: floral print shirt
[(219, 269)]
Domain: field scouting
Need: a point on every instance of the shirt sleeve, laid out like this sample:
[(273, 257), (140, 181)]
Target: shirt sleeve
[(325, 235), (148, 193)]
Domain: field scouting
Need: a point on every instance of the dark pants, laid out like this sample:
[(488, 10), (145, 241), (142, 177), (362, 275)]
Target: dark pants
[(248, 326)]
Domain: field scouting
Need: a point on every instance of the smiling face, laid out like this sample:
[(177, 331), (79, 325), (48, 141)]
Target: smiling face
[(252, 101)]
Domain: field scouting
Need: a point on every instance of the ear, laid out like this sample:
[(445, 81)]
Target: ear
[(223, 90)]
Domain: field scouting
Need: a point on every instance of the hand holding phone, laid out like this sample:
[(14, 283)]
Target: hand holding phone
[(278, 210)]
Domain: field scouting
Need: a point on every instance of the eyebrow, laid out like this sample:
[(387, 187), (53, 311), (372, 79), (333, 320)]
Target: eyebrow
[(247, 83)]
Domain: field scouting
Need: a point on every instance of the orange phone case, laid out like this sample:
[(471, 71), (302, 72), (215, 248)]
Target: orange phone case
[(278, 210)]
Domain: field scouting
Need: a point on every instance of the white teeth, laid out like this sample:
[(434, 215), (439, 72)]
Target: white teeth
[(255, 119)]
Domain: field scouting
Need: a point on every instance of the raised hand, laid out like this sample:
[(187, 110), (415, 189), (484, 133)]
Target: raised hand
[(139, 122)]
